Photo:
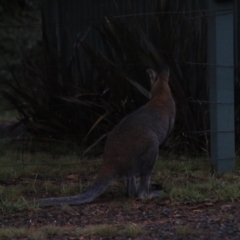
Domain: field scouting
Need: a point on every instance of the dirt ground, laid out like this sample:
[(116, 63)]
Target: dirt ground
[(158, 219)]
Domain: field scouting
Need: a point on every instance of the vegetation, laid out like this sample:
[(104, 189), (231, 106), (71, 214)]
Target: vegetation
[(51, 231), (67, 105), (20, 29), (42, 170), (15, 19), (185, 231), (36, 173), (84, 99)]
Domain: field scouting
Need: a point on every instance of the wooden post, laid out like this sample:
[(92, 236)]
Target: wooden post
[(221, 84)]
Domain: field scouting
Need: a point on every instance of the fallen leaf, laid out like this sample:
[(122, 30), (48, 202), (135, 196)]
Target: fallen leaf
[(167, 201), (208, 204), (226, 207), (215, 219), (73, 177), (197, 211)]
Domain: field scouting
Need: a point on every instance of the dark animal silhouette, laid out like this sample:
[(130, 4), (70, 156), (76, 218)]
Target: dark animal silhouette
[(132, 146)]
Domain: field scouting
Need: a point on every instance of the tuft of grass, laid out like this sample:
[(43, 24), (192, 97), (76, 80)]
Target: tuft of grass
[(13, 233), (133, 230), (101, 230), (51, 188), (228, 217), (12, 206), (67, 189), (126, 206), (190, 192), (227, 191), (52, 230), (37, 235), (184, 231), (199, 192)]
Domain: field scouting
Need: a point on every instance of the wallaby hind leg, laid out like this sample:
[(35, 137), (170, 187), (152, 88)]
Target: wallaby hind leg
[(131, 186), (143, 191), (148, 159)]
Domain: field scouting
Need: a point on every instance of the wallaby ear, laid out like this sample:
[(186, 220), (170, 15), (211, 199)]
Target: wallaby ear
[(152, 74), (165, 72)]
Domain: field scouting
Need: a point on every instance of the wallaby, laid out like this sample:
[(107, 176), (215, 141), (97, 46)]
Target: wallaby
[(132, 146)]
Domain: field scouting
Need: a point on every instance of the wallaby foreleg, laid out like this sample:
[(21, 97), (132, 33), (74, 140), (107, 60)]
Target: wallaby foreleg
[(131, 186)]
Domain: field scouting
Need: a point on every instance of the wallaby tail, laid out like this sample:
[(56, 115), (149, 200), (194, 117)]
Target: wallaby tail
[(93, 192)]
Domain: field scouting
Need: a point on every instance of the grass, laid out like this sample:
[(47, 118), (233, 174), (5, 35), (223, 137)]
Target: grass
[(184, 231), (187, 231), (133, 230), (32, 233), (41, 171), (10, 233), (102, 231)]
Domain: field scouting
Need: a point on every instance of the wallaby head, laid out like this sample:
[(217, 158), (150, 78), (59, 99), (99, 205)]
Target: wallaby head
[(162, 73), (159, 79)]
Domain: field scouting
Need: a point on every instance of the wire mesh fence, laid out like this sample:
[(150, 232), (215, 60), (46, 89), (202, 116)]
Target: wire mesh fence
[(81, 28)]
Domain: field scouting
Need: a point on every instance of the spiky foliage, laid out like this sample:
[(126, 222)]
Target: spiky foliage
[(179, 32), (86, 98), (57, 101)]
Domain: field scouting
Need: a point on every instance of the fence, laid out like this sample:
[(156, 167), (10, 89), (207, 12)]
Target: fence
[(61, 24)]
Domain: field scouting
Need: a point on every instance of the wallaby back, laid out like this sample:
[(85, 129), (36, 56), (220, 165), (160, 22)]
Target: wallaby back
[(133, 145), (142, 130)]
